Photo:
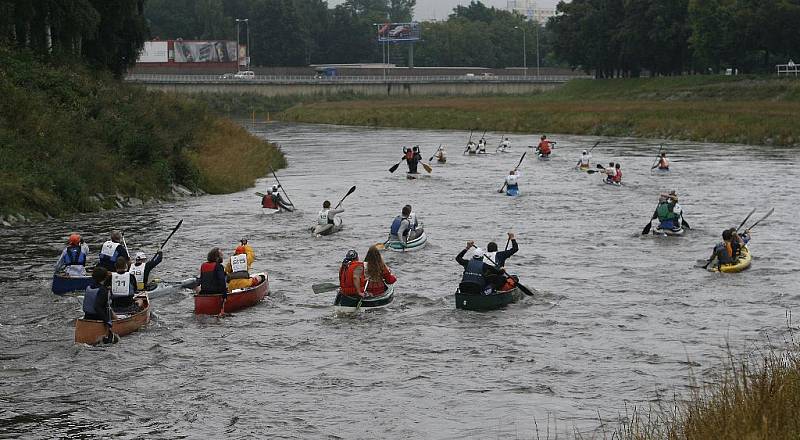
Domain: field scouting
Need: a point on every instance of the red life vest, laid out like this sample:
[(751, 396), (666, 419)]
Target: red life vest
[(618, 176), (267, 202), (346, 278), (409, 154), (544, 147)]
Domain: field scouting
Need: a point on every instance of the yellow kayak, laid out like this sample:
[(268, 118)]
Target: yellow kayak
[(741, 264)]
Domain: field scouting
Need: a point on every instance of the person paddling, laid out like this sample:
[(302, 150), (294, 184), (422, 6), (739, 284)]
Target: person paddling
[(441, 155), (402, 230), (352, 279), (663, 163), (477, 274), (498, 259), (472, 148), (73, 258), (617, 179), (327, 214), (111, 251), (512, 181), (482, 146), (97, 302), (378, 275), (123, 288), (411, 159), (505, 145), (238, 270), (274, 200), (544, 147), (723, 251), (585, 161), (141, 268), (668, 212)]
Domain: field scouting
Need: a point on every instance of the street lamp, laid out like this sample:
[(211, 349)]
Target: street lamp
[(524, 49), (247, 53)]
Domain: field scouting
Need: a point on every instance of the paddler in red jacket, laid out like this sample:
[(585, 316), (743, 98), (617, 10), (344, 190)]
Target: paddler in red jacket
[(352, 279), (377, 273), (544, 147)]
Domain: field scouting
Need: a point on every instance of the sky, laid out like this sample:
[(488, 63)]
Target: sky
[(440, 9)]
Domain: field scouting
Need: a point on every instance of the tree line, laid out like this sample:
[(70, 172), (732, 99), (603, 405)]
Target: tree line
[(627, 37)]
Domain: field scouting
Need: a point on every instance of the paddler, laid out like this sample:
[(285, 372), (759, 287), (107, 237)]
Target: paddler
[(723, 251), (738, 241), (111, 251), (212, 275), (411, 159), (123, 288), (668, 212), (482, 146), (141, 268), (498, 259), (416, 227), (663, 162), (238, 270), (544, 147), (585, 160), (477, 276), (352, 279), (401, 230), (378, 275), (512, 180), (97, 302), (327, 214), (505, 145), (248, 249), (273, 200), (73, 258), (610, 172), (617, 174), (441, 155), (471, 148)]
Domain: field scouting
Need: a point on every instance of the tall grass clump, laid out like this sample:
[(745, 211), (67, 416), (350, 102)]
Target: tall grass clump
[(68, 133)]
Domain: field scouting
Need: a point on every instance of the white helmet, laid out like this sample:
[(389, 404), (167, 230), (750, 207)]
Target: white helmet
[(478, 253), (585, 152), (274, 188)]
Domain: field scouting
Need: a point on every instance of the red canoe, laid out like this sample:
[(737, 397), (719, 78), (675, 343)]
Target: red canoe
[(237, 300)]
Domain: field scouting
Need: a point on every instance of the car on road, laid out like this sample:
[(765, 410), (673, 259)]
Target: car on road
[(227, 76), (245, 74)]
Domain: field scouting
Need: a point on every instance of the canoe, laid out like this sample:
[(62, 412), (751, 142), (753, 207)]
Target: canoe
[(669, 232), (513, 192), (63, 283), (541, 157), (348, 305), (739, 265), (412, 245), (328, 229), (442, 160), (606, 182), (90, 331), (465, 301), (412, 176), (237, 300)]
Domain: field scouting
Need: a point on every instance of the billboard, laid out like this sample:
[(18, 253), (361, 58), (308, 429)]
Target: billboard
[(399, 32), (205, 51), (154, 52)]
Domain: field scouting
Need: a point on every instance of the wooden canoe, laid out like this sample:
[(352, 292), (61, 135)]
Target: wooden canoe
[(237, 300), (90, 331)]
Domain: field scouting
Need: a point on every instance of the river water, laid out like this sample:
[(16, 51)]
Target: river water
[(619, 320)]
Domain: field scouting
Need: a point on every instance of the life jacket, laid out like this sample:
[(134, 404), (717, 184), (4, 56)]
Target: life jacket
[(724, 252), (544, 147), (346, 278), (267, 202), (209, 283), (121, 286), (138, 271), (90, 299), (109, 254), (473, 274), (585, 161), (323, 218), (239, 269), (664, 211), (74, 256), (471, 147), (409, 154), (617, 176), (663, 164), (511, 180), (396, 226)]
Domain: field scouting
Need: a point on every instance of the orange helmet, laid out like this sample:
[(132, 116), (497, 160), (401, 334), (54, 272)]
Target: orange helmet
[(74, 239), (240, 250)]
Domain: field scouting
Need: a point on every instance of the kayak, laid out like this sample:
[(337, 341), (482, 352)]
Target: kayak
[(513, 192), (63, 283), (606, 182), (442, 160), (90, 331), (541, 157), (289, 208), (412, 245), (494, 301), (739, 265), (328, 229), (349, 305), (659, 171), (581, 169), (669, 231), (237, 299)]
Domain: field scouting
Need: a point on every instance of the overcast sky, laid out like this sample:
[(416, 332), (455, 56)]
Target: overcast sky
[(427, 9)]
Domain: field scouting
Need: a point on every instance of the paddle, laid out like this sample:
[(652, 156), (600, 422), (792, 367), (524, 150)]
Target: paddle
[(762, 218), (122, 234), (434, 155), (281, 186), (324, 287), (685, 223), (470, 140), (595, 146), (394, 167), (515, 169), (705, 266), (174, 230), (649, 225), (502, 139), (524, 289), (352, 190), (427, 167), (260, 194), (658, 155)]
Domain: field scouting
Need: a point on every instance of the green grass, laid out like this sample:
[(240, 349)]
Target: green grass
[(701, 108), (68, 133)]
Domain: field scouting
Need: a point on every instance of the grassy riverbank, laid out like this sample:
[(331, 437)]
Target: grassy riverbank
[(68, 133), (752, 399), (754, 110)]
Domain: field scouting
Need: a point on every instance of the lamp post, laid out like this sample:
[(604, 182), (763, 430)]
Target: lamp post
[(524, 49), (247, 49), (537, 46)]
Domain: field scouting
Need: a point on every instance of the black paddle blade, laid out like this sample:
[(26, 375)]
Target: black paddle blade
[(601, 167), (685, 224), (592, 171), (524, 289), (763, 218), (394, 167), (746, 219), (352, 190), (646, 229)]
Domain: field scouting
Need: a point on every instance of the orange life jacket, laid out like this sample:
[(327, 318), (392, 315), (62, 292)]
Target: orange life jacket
[(544, 147), (346, 278), (267, 202), (618, 176)]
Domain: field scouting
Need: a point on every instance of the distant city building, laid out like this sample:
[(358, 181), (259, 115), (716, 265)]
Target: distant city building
[(528, 9)]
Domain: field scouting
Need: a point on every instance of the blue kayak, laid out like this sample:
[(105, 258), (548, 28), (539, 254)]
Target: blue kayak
[(65, 284), (513, 192)]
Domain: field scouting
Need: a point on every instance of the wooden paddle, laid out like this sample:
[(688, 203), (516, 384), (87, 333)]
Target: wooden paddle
[(427, 167), (524, 289), (281, 186), (352, 190), (324, 287), (515, 169)]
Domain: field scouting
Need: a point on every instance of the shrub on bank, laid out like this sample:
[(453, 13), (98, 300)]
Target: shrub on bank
[(67, 133)]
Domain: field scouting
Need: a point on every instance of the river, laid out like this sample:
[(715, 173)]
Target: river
[(618, 320)]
